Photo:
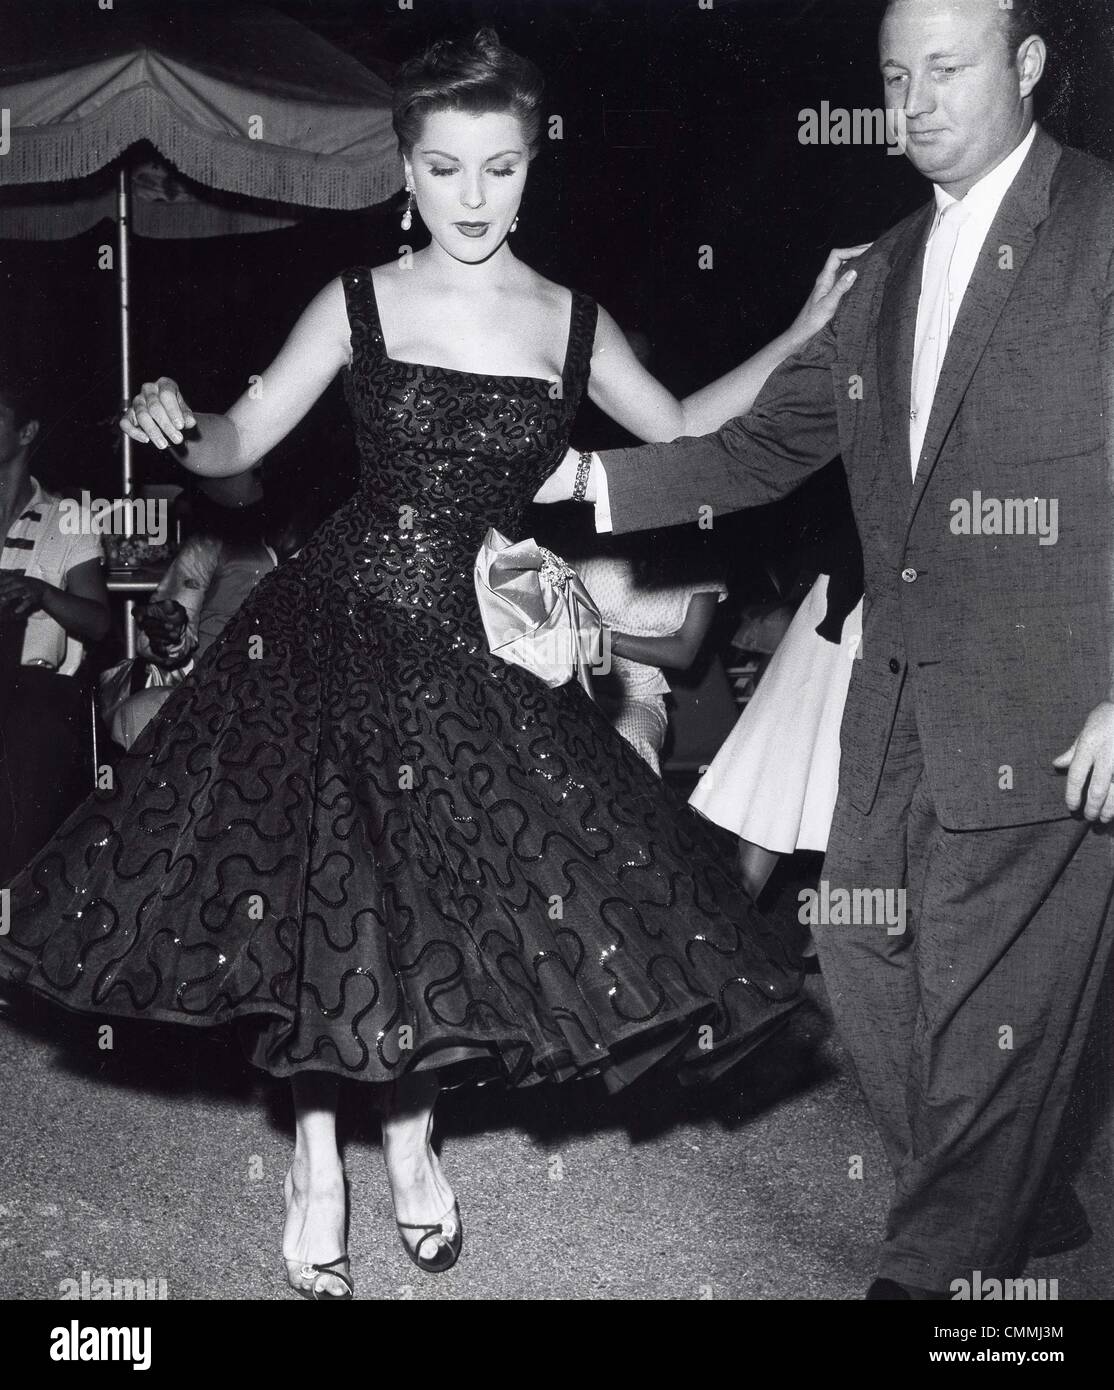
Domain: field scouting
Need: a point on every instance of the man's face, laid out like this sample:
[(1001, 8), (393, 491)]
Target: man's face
[(11, 437), (948, 65)]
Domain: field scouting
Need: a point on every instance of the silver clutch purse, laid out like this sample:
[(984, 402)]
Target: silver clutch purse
[(536, 612)]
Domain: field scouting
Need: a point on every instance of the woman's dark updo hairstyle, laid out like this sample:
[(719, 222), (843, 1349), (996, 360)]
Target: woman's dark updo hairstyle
[(479, 76)]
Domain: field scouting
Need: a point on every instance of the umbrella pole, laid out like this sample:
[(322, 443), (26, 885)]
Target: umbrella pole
[(122, 279), (122, 211)]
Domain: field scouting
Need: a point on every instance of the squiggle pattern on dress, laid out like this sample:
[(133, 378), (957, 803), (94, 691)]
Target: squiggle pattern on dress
[(376, 845)]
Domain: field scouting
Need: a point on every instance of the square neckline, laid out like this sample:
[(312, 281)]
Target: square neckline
[(547, 382)]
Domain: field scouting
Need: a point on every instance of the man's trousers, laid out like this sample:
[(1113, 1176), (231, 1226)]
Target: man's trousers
[(966, 1029)]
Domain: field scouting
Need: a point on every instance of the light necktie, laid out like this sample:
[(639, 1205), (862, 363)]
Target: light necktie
[(935, 319)]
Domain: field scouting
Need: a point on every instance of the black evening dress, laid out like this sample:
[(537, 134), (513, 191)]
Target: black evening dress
[(376, 846)]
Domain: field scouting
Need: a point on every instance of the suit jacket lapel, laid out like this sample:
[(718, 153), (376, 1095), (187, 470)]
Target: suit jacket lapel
[(897, 328), (1024, 207)]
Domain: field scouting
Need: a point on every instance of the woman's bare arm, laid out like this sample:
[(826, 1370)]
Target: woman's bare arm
[(232, 443), (622, 387)]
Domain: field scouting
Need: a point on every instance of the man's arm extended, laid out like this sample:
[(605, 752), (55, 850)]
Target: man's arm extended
[(790, 433)]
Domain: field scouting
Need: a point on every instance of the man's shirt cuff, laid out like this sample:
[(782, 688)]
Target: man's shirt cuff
[(603, 498)]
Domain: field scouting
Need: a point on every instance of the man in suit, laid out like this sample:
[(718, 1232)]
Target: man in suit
[(968, 383)]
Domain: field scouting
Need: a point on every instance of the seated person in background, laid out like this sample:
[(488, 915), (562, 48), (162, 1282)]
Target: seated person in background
[(53, 600), (207, 581), (659, 609)]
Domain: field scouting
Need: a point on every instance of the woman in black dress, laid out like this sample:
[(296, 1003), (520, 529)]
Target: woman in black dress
[(382, 851)]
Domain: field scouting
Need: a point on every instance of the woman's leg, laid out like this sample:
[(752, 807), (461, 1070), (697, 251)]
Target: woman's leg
[(421, 1194), (315, 1200), (756, 865)]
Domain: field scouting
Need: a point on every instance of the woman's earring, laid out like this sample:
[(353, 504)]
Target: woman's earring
[(514, 225), (408, 215)]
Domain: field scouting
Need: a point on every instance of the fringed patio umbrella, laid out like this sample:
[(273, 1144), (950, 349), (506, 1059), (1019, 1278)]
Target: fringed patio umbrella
[(253, 116)]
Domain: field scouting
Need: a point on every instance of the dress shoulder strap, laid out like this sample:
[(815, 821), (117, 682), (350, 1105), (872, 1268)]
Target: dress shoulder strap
[(582, 337), (363, 311)]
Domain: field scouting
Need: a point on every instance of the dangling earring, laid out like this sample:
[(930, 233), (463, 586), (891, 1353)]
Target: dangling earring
[(514, 225), (408, 215)]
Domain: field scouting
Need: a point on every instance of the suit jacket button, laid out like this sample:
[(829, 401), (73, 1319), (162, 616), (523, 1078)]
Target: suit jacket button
[(909, 575), (895, 665)]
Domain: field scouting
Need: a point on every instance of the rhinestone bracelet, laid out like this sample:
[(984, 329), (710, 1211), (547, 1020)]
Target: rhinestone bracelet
[(583, 468)]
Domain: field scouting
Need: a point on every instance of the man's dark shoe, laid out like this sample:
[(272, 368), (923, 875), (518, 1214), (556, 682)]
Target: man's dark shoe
[(890, 1288), (1058, 1225)]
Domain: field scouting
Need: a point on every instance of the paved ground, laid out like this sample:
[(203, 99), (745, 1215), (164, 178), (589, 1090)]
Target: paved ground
[(164, 1159)]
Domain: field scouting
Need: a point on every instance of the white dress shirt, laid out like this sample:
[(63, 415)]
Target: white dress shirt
[(944, 280), (980, 209)]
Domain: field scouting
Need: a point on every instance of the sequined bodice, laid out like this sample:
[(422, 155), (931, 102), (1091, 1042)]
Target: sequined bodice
[(444, 455)]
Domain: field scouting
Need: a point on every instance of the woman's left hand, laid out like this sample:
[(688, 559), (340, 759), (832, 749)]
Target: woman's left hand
[(832, 284)]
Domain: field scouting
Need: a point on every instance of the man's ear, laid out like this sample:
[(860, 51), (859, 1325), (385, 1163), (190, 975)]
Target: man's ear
[(28, 432), (1031, 62)]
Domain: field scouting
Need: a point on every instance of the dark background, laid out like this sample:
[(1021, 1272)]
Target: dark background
[(680, 130)]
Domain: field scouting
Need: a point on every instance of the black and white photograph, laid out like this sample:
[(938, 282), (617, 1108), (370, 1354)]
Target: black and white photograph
[(557, 665)]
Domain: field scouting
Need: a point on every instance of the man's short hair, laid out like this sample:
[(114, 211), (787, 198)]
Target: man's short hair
[(1022, 19), (23, 393)]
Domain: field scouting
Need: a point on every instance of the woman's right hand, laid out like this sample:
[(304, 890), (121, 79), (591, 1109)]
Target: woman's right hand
[(832, 284), (158, 414)]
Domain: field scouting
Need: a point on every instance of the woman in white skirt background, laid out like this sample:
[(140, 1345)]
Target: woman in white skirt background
[(774, 781)]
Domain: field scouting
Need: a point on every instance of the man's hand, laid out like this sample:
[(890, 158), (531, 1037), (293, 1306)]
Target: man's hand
[(1092, 754), (164, 623), (20, 596), (559, 485)]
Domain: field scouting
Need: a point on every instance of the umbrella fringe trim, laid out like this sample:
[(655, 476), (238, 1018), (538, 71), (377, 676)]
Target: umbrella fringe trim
[(228, 162)]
